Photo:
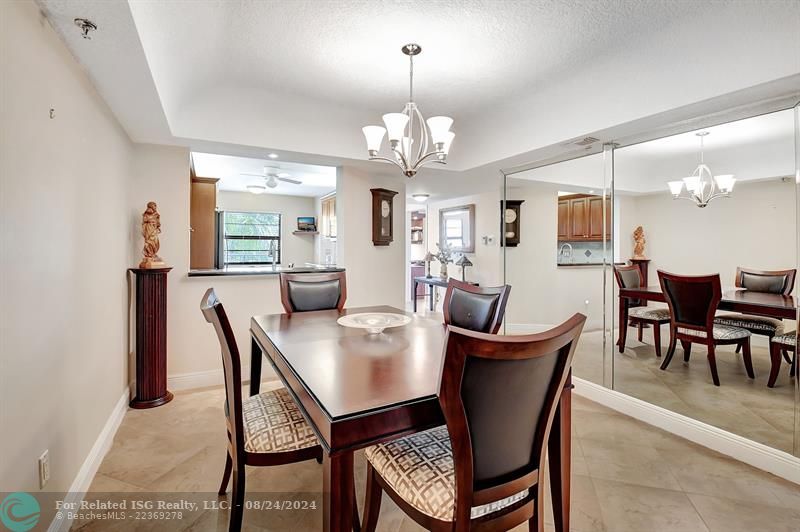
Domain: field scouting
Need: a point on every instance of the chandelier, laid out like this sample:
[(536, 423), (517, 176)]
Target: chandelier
[(702, 186), (409, 137)]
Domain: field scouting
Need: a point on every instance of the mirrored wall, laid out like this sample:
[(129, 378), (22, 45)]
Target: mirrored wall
[(650, 207)]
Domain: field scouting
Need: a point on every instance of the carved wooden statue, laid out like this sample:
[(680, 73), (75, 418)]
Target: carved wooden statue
[(151, 227), (639, 242)]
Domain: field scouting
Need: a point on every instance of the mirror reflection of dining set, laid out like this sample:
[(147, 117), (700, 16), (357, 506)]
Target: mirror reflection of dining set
[(758, 304), (433, 405)]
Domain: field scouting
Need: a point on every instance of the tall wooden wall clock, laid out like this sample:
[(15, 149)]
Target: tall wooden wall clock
[(382, 214), (510, 223)]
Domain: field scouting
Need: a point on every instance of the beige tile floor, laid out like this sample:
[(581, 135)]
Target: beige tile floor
[(739, 405), (627, 476)]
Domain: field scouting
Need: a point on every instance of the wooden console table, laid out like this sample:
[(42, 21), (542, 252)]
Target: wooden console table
[(151, 338)]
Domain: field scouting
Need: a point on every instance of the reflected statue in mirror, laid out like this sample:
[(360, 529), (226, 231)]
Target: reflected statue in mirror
[(638, 243)]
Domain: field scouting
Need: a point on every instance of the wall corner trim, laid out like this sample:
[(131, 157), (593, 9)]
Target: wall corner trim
[(85, 476), (758, 455)]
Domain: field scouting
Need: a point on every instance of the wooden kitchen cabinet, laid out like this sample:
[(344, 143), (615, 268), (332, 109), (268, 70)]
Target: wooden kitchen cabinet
[(580, 218), (563, 219), (203, 223)]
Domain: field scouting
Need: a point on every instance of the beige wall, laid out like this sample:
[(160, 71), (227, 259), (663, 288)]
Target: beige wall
[(375, 274), (65, 246), (487, 268), (298, 249)]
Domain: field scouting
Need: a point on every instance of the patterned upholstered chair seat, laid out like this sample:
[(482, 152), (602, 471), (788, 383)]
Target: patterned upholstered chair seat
[(721, 332), (754, 324), (648, 313), (788, 339), (273, 424), (420, 469)]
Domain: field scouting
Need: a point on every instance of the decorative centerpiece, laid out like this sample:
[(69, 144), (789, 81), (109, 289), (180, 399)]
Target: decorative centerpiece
[(151, 228), (429, 257), (374, 322), (463, 262), (444, 256), (639, 242)]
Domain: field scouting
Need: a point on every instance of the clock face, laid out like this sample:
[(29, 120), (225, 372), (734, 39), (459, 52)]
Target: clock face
[(510, 216), (385, 208)]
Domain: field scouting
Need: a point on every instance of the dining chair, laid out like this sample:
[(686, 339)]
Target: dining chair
[(305, 292), (766, 281), (484, 468), (639, 316), (693, 302), (781, 345), (474, 307), (263, 430)]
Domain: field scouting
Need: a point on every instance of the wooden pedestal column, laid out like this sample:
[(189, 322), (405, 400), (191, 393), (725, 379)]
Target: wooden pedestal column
[(151, 338), (643, 267)]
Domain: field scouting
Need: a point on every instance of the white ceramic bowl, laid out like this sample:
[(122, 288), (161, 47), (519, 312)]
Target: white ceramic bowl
[(374, 322)]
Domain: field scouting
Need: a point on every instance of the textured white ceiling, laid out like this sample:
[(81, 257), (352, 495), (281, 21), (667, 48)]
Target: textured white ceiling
[(303, 76), (316, 180), (475, 52)]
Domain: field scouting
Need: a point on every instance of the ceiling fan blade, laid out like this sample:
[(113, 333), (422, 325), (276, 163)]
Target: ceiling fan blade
[(293, 181), (256, 175)]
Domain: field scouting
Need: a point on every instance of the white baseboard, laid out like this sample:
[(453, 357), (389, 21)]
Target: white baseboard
[(201, 379), (80, 485), (758, 455)]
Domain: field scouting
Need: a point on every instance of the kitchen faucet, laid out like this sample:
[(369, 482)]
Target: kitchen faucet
[(565, 251)]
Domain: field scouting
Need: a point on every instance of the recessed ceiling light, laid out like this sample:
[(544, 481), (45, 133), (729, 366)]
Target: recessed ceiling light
[(273, 155), (420, 198), (283, 174)]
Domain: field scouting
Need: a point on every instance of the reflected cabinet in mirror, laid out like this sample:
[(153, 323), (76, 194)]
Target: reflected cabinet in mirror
[(457, 228)]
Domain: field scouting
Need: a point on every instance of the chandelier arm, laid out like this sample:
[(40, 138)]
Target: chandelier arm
[(394, 162), (403, 159), (423, 141), (425, 159)]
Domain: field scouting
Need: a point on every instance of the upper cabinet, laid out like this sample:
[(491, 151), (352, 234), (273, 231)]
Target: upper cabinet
[(580, 218), (328, 225)]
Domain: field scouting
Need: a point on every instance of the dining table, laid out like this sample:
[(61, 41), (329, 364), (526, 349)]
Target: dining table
[(357, 389), (733, 300)]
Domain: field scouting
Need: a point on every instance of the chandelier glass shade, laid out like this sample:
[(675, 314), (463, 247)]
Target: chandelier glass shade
[(413, 141), (702, 187)]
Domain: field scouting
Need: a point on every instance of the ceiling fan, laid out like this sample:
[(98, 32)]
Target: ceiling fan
[(271, 175)]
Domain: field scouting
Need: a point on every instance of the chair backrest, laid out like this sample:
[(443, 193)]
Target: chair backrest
[(475, 308), (498, 395), (214, 314), (770, 281), (304, 292), (628, 276), (692, 299)]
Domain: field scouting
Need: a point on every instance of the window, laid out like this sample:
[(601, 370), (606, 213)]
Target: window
[(454, 231), (251, 238), (328, 226)]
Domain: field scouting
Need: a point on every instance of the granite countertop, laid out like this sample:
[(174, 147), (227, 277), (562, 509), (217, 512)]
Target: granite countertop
[(583, 264), (263, 270)]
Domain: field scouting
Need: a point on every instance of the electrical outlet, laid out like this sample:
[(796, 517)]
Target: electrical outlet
[(44, 468)]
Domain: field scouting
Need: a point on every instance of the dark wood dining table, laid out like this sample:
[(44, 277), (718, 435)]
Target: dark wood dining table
[(733, 300), (357, 389)]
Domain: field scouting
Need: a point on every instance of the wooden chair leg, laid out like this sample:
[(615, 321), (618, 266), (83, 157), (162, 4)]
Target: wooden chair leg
[(738, 348), (657, 338), (748, 358), (640, 336), (687, 350), (775, 361), (673, 342), (226, 475), (237, 500), (786, 356), (372, 500), (712, 364)]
